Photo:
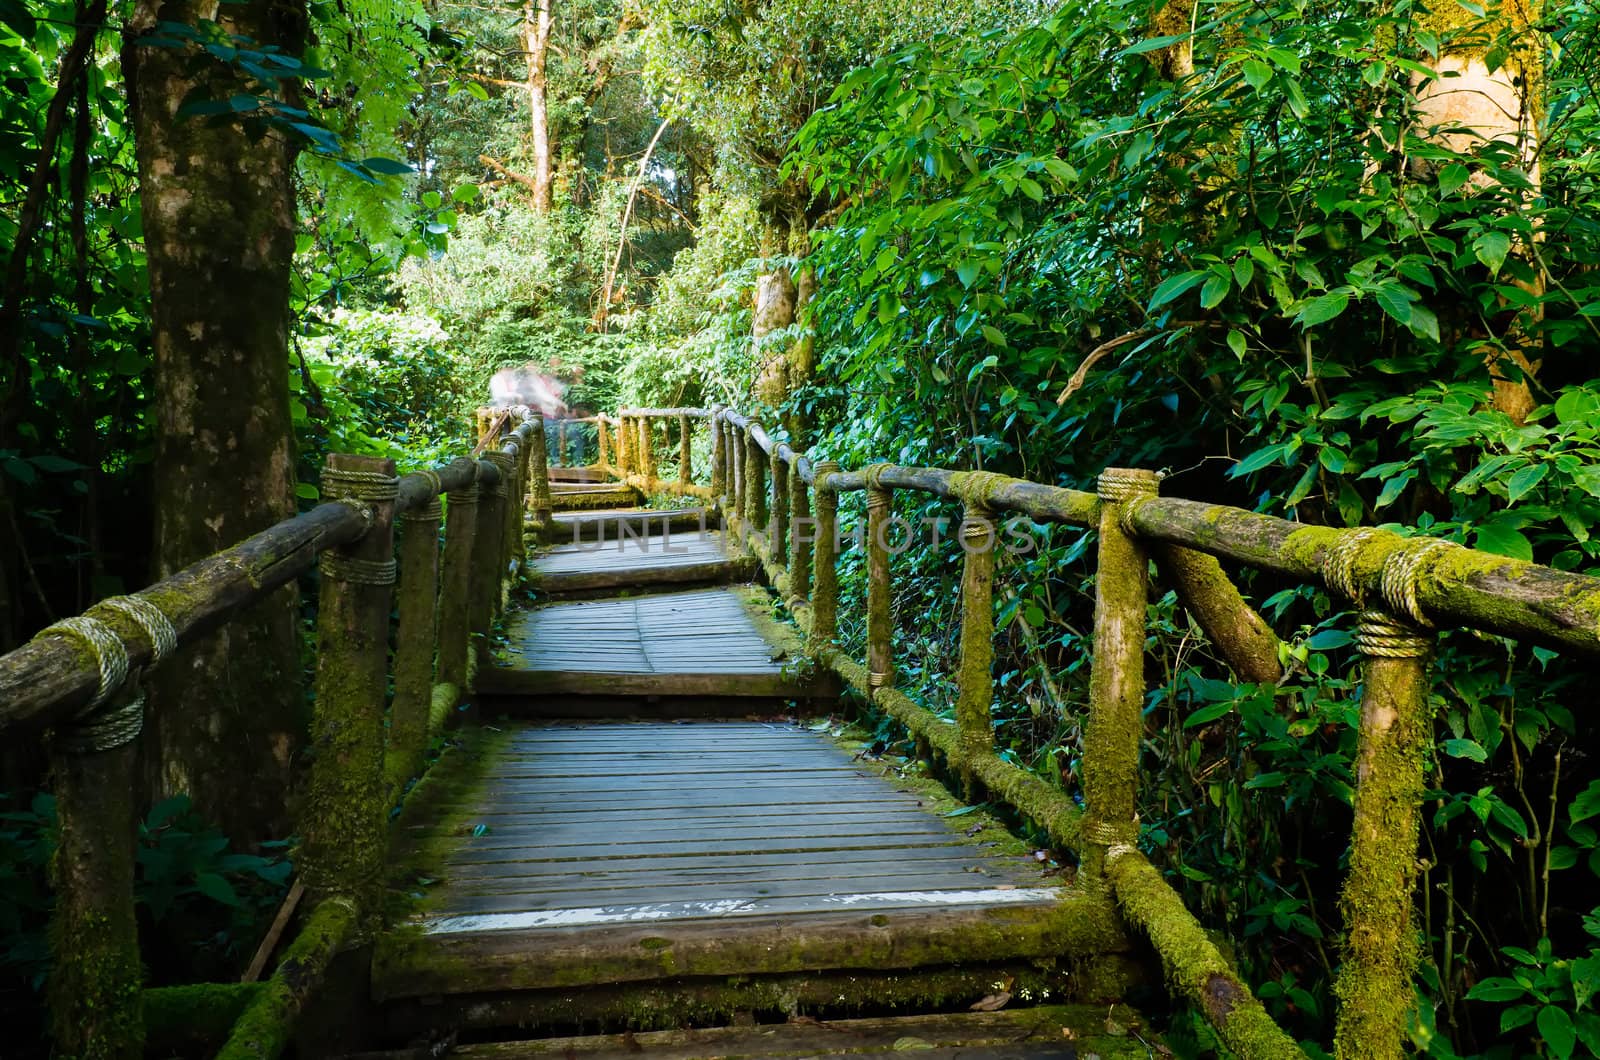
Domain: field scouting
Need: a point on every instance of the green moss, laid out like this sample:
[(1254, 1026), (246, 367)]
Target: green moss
[(1193, 965), (196, 1015), (267, 1025), (1380, 945)]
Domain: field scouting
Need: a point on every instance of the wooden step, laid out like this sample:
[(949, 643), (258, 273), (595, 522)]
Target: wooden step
[(580, 496), (703, 643), (1046, 1032), (661, 559), (631, 524), (577, 474)]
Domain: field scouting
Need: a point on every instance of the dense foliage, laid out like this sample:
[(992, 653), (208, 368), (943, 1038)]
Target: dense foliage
[(1234, 241)]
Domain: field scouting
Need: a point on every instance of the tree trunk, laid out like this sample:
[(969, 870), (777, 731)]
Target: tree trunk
[(1501, 106), (219, 213), (536, 16)]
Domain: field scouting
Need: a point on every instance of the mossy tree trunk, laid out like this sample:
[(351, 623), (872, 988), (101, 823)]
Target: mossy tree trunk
[(781, 299), (536, 16), (219, 212), (1465, 106)]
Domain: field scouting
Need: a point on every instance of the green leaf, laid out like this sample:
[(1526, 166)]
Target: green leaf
[(1452, 177), (1586, 804), (1152, 44), (216, 888), (1236, 343), (1266, 780), (1555, 1027), (967, 272), (1173, 286), (1424, 324), (1392, 488), (1503, 541), (1324, 309), (1585, 978), (306, 491), (1524, 480), (15, 14), (961, 812), (1496, 988), (1209, 712), (1215, 290), (1256, 73), (1469, 749), (1258, 460), (1491, 248), (388, 167), (994, 335)]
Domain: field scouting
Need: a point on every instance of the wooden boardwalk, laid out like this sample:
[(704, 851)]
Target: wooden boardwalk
[(673, 873)]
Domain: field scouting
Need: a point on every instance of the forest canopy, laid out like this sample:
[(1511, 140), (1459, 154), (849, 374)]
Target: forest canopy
[(1331, 261)]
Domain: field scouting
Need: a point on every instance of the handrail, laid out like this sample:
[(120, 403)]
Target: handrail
[(80, 679), (1405, 588)]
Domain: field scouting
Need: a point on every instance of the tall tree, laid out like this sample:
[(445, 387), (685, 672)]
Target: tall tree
[(537, 20), (219, 213)]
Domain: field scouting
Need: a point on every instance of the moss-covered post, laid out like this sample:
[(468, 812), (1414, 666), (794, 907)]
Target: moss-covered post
[(489, 563), (621, 427), (719, 453), (561, 443), (825, 572), (1116, 680), (95, 973), (602, 442), (800, 548), (974, 682), (741, 472), (1380, 937), (880, 618), (647, 451), (778, 525), (755, 486), (1242, 637), (685, 453), (483, 592), (415, 640), (455, 577), (345, 821), (539, 478)]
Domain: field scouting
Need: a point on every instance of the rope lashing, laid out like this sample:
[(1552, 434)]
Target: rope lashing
[(101, 727), (370, 486), (1111, 833), (357, 571), (432, 510), (465, 497), (1402, 572), (1127, 487), (878, 497), (1339, 562), (976, 489), (1382, 635)]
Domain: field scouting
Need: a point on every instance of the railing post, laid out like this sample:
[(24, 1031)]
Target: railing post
[(974, 681), (455, 576), (754, 487), (1116, 678), (511, 551), (825, 576), (719, 472), (600, 441), (483, 594), (539, 479), (624, 448), (880, 618), (800, 549), (685, 454), (561, 443), (778, 524), (96, 973), (415, 640), (346, 818), (1374, 987), (647, 451), (741, 472)]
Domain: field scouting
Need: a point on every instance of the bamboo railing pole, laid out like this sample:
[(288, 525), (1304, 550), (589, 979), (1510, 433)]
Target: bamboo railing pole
[(719, 452), (778, 524), (1374, 986), (1241, 636), (455, 577), (623, 448), (755, 497), (561, 443), (495, 576), (685, 453), (415, 640), (801, 544), (880, 618), (539, 480), (1116, 678), (979, 538), (647, 449), (825, 569), (96, 973), (483, 592), (602, 442), (741, 471), (345, 822)]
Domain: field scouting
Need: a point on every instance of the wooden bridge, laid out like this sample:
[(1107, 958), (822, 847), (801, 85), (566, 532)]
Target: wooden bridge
[(647, 835)]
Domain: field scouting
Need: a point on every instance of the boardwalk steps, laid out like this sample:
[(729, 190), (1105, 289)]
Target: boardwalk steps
[(629, 525), (633, 875), (1045, 1032), (660, 559), (583, 496)]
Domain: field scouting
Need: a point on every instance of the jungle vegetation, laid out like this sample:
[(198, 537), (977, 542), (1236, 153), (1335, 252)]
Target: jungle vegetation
[(1332, 261)]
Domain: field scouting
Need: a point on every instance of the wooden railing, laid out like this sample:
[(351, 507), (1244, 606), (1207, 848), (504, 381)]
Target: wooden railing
[(78, 680), (1406, 589)]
